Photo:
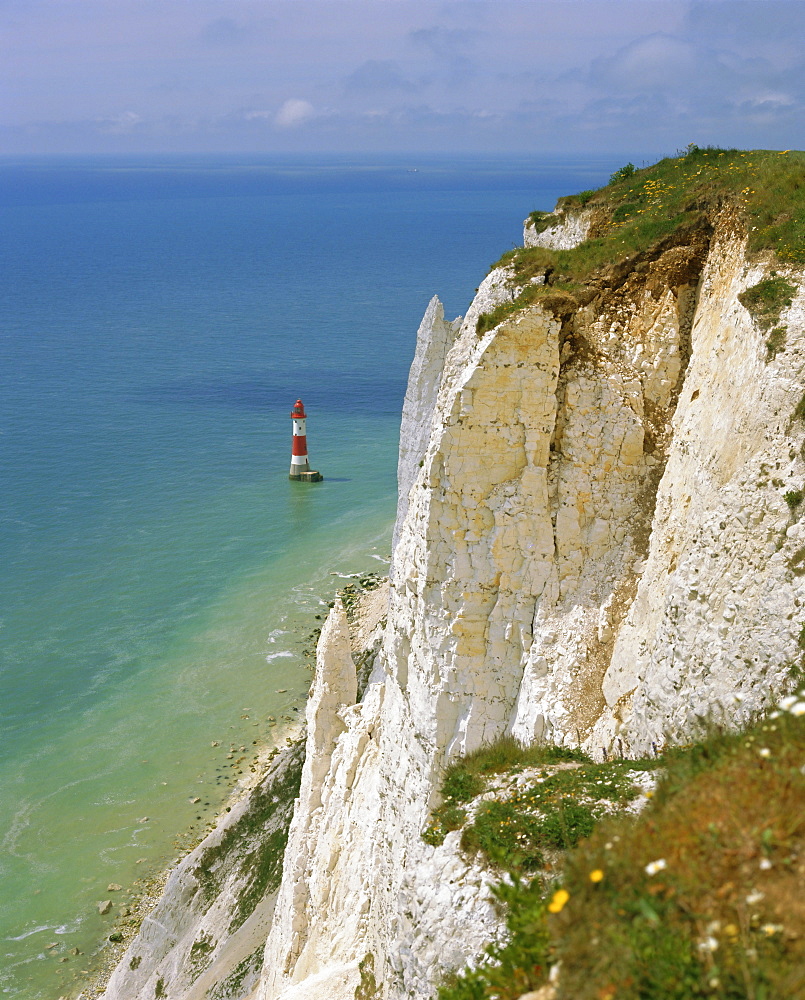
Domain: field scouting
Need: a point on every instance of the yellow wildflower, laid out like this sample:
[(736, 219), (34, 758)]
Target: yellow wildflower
[(596, 875), (557, 903)]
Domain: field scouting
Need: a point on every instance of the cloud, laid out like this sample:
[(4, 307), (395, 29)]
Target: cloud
[(120, 124), (451, 54), (423, 74), (442, 42), (654, 61), (375, 75), (293, 112)]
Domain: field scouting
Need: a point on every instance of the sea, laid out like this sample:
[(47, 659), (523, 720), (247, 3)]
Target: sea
[(160, 577)]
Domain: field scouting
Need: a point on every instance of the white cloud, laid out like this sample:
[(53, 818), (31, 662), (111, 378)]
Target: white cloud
[(120, 124), (293, 112), (771, 99), (657, 61)]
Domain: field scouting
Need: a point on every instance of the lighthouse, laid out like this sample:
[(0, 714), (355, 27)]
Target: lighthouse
[(300, 467)]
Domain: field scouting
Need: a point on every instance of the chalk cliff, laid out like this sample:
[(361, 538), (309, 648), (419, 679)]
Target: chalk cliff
[(595, 549), (593, 546)]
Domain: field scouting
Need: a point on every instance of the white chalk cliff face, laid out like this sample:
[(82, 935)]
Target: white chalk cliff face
[(434, 338), (567, 230), (592, 547)]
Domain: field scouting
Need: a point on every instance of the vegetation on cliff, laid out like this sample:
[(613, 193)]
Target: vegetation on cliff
[(528, 803), (639, 209), (700, 896)]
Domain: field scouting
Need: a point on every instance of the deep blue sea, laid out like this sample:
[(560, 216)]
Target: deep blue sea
[(159, 574)]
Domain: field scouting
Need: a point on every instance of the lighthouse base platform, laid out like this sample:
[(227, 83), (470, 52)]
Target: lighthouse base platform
[(306, 477)]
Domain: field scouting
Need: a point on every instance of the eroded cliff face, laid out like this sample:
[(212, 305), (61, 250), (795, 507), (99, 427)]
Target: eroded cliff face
[(595, 549), (706, 619)]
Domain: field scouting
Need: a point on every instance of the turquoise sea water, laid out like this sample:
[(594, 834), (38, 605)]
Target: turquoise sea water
[(158, 572)]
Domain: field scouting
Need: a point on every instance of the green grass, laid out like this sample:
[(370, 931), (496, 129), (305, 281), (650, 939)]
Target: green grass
[(507, 754), (468, 777), (776, 343), (507, 837), (540, 221), (699, 896), (637, 210), (767, 299), (553, 812)]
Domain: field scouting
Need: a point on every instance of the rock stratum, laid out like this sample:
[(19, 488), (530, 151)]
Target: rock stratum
[(593, 547)]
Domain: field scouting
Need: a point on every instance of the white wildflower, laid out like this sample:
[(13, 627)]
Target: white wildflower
[(656, 866)]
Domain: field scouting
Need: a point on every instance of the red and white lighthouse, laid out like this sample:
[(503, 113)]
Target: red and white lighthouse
[(300, 467)]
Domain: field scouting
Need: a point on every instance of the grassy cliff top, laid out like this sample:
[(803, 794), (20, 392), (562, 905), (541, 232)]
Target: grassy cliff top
[(767, 186), (641, 209)]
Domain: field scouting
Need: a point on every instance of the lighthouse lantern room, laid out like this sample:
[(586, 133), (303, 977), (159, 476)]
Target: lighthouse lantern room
[(300, 466)]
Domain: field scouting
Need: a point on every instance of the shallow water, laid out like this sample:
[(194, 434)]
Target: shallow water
[(159, 575)]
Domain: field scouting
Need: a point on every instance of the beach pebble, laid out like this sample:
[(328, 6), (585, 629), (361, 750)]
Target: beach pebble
[(115, 936), (113, 887), (195, 799), (54, 945), (143, 819), (104, 906), (215, 743), (281, 690)]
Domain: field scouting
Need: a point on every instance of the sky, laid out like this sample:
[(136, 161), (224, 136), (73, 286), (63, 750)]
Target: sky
[(461, 76)]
